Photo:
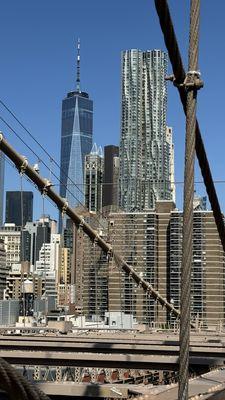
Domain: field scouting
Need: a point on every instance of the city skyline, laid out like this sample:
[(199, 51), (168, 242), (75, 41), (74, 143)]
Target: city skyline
[(42, 116), (150, 265)]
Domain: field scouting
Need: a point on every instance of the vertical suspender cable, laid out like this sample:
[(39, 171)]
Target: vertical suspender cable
[(190, 85), (95, 268), (45, 185), (22, 250), (44, 240)]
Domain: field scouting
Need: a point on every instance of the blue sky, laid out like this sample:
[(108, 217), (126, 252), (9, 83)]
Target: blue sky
[(37, 41)]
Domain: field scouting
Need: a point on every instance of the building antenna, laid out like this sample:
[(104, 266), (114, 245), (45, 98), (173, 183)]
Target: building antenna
[(78, 66)]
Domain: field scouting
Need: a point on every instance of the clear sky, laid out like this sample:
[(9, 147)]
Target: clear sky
[(37, 42)]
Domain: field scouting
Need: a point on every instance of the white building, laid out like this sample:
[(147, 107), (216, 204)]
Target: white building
[(11, 235), (170, 159), (34, 235), (3, 269), (48, 264)]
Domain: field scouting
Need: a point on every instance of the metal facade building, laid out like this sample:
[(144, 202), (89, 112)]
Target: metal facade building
[(3, 268), (152, 243), (110, 179), (94, 164), (76, 142), (13, 207), (91, 271), (144, 154), (208, 268)]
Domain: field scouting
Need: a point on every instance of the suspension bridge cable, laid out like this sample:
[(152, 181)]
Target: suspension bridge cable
[(13, 383), (12, 165), (79, 221), (179, 76), (50, 171), (38, 143), (22, 251), (191, 81)]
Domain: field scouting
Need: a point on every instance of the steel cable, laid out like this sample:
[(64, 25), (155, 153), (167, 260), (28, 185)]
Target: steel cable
[(179, 75), (187, 248), (16, 386)]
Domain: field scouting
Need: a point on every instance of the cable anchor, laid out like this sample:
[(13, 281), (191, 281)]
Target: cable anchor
[(192, 81), (95, 241), (81, 224), (109, 254), (46, 188), (22, 168), (149, 291), (64, 208), (140, 283)]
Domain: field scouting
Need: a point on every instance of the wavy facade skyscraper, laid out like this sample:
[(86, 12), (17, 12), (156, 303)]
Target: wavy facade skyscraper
[(76, 142), (145, 167)]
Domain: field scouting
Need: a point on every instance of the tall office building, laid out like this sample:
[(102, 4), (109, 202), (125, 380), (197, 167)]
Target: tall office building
[(144, 160), (151, 241), (93, 179), (63, 278), (48, 264), (13, 207), (11, 235), (76, 142), (111, 176), (2, 173), (3, 268), (169, 158), (90, 272), (35, 234)]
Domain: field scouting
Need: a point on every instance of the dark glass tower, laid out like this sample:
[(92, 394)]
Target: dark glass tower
[(76, 142), (13, 207), (110, 182)]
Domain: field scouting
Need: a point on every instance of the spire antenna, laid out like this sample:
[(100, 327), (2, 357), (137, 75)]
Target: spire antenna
[(78, 67)]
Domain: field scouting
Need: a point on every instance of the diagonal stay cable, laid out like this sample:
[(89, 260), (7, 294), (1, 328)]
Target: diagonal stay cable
[(47, 167), (41, 147), (179, 75), (16, 386), (21, 162)]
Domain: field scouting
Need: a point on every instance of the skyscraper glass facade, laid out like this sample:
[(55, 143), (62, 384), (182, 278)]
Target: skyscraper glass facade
[(13, 212), (76, 142), (144, 163), (94, 163)]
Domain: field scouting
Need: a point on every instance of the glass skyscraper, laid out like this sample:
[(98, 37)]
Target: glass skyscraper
[(145, 162), (94, 163), (76, 142), (13, 212)]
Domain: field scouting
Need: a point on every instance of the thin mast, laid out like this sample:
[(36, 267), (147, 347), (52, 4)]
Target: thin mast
[(78, 67)]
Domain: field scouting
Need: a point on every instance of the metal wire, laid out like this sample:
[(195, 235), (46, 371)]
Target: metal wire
[(45, 267), (179, 75), (16, 386), (185, 298), (52, 161), (22, 249)]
